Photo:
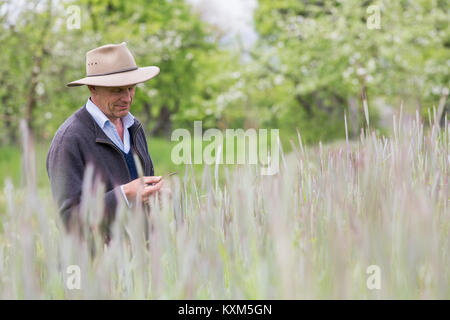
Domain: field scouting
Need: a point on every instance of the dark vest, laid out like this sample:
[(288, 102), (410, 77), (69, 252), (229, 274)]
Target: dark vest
[(130, 160)]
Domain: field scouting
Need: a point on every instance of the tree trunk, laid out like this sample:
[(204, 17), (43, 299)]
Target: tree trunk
[(163, 122), (353, 115), (10, 137), (147, 108), (34, 77), (442, 110), (31, 96)]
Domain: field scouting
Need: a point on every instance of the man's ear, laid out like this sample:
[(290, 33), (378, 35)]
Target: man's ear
[(91, 89)]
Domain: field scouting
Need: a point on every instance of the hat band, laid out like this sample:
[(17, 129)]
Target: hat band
[(105, 74)]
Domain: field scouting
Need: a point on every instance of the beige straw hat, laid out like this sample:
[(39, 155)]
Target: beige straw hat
[(113, 65)]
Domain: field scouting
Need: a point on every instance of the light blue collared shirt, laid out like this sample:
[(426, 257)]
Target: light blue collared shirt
[(110, 130)]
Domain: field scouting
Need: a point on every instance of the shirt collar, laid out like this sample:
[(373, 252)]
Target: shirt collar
[(102, 119)]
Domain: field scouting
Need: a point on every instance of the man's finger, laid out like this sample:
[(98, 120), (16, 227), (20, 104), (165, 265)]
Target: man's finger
[(153, 188), (151, 179)]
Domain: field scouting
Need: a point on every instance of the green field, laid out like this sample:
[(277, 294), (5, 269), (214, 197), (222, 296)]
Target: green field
[(311, 231)]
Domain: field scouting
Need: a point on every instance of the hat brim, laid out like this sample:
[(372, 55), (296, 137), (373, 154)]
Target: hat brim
[(118, 79)]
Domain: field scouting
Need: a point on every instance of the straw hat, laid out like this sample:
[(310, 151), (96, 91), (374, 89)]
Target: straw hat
[(113, 65)]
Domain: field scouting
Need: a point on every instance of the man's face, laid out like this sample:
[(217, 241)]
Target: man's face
[(115, 102)]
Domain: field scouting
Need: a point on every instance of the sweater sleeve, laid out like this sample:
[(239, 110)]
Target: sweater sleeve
[(65, 168)]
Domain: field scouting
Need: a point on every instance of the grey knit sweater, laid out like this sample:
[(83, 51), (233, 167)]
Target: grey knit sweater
[(79, 141)]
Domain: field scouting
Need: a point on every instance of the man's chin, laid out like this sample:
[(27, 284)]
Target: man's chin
[(123, 112)]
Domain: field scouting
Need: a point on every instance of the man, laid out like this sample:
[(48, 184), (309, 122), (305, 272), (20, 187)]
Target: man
[(104, 134)]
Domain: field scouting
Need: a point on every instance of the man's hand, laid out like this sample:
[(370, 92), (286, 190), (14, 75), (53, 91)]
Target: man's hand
[(146, 186)]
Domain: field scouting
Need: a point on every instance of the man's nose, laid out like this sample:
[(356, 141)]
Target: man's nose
[(127, 96)]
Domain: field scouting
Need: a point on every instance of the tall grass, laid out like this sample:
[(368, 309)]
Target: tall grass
[(310, 231)]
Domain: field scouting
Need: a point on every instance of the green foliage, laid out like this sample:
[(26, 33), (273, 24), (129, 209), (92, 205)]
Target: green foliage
[(313, 60), (10, 165), (319, 57), (167, 34)]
